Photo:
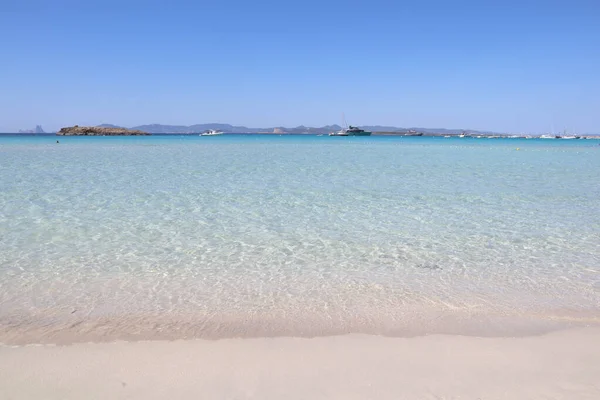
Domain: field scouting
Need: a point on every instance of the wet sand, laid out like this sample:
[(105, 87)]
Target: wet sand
[(558, 365)]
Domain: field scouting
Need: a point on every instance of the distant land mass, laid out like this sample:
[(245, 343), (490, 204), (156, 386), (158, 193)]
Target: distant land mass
[(99, 131), (38, 129), (281, 130), (227, 128)]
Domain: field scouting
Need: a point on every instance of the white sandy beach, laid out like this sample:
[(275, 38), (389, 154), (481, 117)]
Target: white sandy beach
[(559, 365)]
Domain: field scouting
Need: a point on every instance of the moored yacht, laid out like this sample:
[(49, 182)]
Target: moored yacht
[(351, 131), (211, 132)]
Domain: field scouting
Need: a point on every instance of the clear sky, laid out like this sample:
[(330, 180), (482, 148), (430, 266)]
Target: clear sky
[(507, 66)]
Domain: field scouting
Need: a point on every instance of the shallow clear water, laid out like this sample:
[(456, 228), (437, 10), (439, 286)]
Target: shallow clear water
[(124, 237)]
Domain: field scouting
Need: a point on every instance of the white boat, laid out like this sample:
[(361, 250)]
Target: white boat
[(350, 130), (338, 133), (211, 132)]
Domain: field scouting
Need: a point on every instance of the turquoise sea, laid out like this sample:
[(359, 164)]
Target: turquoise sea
[(105, 238)]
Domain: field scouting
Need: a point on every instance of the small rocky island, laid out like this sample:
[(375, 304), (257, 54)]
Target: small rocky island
[(98, 131)]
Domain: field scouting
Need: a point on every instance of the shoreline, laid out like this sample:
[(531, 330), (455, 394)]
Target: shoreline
[(559, 365), (60, 330)]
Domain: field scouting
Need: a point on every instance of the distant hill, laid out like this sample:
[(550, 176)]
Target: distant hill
[(227, 128), (38, 129)]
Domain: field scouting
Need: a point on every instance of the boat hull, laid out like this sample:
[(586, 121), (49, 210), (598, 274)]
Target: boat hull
[(351, 134)]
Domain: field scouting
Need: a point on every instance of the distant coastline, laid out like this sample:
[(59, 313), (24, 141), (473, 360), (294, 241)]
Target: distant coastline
[(377, 130), (323, 130), (298, 130)]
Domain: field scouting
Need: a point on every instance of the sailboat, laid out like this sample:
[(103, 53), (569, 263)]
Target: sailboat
[(552, 136), (350, 130)]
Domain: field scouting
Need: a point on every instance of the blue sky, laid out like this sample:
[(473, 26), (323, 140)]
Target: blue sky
[(508, 66)]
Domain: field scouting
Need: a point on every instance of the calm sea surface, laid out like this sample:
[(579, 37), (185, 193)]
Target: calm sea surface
[(186, 236)]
